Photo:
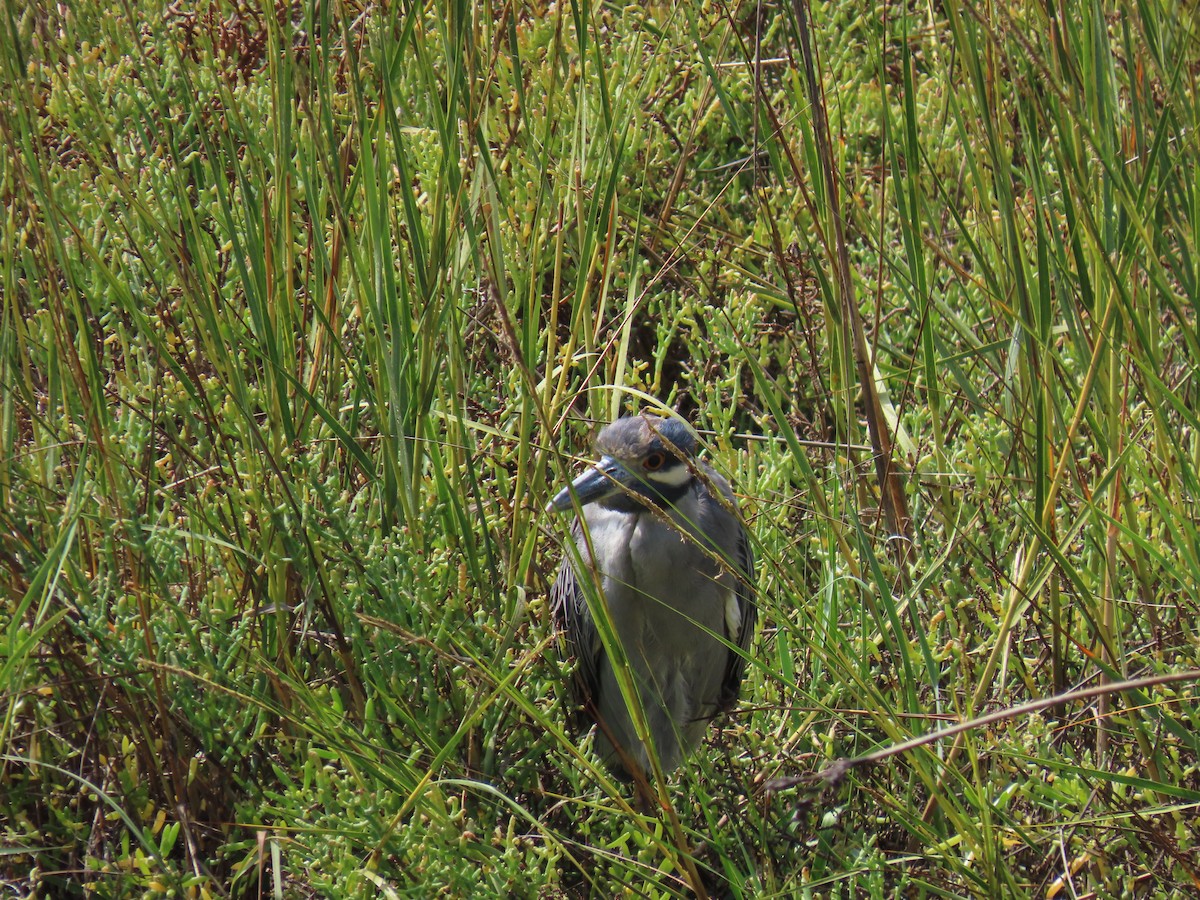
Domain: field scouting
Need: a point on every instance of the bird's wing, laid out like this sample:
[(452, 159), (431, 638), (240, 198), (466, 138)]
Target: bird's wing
[(735, 667), (577, 631)]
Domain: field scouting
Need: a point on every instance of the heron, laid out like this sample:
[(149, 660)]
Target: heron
[(660, 535)]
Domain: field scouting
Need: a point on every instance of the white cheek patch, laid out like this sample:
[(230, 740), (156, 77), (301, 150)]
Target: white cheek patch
[(733, 617), (675, 476)]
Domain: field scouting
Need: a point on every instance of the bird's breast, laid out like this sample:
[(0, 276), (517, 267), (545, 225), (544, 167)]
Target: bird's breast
[(658, 575), (678, 577)]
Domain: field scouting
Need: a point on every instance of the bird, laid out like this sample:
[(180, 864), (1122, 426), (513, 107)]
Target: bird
[(660, 533)]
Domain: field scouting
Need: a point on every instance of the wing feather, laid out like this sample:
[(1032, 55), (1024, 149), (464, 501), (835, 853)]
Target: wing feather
[(577, 631), (744, 593)]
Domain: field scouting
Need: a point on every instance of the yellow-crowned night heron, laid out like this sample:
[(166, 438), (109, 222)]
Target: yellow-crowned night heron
[(677, 574)]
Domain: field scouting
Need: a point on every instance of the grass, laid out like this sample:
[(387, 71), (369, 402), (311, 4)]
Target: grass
[(308, 310)]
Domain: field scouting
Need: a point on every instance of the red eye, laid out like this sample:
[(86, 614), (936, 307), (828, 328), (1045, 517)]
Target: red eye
[(654, 462)]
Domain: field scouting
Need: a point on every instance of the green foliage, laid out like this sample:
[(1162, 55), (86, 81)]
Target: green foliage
[(307, 310)]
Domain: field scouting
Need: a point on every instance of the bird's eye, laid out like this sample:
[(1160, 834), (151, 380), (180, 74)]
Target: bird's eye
[(654, 462)]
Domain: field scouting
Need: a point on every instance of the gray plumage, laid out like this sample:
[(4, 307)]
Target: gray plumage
[(676, 568)]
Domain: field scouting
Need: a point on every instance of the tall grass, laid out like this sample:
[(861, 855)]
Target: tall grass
[(308, 310)]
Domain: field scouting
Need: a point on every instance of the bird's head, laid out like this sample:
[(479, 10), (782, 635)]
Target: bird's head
[(643, 459)]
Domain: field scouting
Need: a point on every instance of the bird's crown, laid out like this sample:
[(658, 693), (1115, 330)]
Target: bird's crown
[(637, 436)]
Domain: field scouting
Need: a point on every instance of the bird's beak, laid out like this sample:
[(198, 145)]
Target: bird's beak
[(605, 478)]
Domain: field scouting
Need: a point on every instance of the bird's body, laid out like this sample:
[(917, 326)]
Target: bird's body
[(675, 571)]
